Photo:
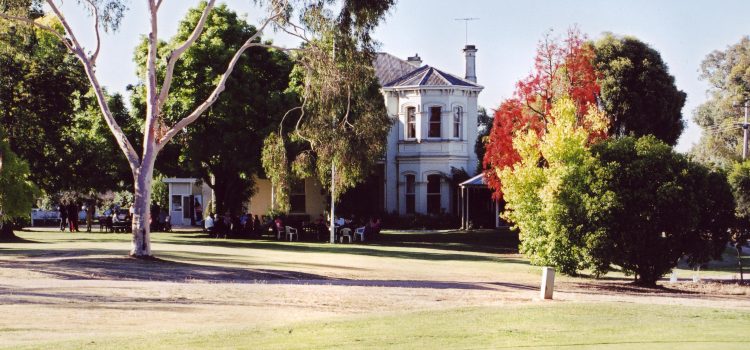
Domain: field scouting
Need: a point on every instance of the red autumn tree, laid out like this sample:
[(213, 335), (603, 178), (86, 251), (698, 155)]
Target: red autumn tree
[(561, 69)]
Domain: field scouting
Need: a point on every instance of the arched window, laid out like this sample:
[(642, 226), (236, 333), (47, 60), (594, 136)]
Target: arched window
[(433, 194), (434, 130), (458, 116), (411, 123), (410, 193)]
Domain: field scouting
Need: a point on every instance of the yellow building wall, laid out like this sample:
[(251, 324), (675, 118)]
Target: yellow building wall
[(315, 202)]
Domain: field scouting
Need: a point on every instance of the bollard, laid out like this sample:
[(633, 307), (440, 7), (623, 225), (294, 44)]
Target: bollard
[(548, 282)]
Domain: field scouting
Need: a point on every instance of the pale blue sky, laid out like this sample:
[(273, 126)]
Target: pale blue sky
[(506, 34)]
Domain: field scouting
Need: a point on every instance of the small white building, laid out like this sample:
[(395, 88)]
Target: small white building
[(187, 200)]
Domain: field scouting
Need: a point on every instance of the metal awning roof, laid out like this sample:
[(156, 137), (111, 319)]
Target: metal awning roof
[(476, 181)]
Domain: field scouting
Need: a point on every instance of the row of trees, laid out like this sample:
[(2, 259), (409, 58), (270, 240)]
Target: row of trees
[(582, 156), (182, 79)]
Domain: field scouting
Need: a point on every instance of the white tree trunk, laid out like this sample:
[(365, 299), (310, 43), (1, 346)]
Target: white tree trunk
[(141, 243)]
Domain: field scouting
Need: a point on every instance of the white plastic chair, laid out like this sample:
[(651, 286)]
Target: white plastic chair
[(346, 233), (291, 232), (360, 232)]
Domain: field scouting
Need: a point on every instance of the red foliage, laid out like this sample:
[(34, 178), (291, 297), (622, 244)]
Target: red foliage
[(560, 69), (508, 119)]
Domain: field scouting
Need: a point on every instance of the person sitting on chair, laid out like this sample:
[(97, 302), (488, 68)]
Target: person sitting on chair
[(209, 224)]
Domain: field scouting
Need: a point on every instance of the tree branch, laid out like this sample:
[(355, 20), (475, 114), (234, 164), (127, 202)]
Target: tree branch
[(95, 9), (40, 26), (76, 49), (176, 53), (220, 86)]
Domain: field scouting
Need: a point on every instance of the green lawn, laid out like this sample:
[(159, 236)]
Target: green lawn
[(445, 290), (542, 325)]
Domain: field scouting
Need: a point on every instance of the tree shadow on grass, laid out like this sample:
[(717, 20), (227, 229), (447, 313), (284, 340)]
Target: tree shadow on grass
[(102, 265), (378, 251)]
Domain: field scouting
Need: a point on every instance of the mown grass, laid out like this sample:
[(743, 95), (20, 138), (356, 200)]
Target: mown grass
[(539, 325)]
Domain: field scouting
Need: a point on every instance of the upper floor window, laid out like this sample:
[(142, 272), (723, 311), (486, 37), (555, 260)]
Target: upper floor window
[(434, 130), (410, 193), (411, 123), (458, 116)]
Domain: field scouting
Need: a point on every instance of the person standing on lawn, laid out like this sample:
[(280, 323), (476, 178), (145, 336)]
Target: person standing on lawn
[(63, 209), (90, 210), (73, 216)]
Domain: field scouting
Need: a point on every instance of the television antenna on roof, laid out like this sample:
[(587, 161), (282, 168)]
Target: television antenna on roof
[(466, 22)]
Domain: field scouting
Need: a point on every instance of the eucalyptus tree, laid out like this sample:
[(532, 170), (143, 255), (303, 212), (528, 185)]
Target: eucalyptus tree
[(355, 19), (223, 147)]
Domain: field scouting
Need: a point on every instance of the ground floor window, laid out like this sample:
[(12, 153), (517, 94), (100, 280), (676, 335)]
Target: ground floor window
[(410, 194), (433, 194), (297, 197)]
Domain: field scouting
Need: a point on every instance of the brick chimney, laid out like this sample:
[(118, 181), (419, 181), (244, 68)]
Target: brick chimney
[(470, 52)]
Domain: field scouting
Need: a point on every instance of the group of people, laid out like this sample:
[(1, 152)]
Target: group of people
[(69, 212), (226, 225)]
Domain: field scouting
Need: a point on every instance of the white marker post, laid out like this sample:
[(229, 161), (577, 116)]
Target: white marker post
[(548, 282)]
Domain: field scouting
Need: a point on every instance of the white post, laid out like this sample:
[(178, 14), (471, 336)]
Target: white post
[(468, 206), (548, 282), (461, 204), (333, 202), (744, 128), (497, 213)]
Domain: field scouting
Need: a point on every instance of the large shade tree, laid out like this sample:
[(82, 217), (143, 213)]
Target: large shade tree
[(223, 147), (45, 108), (726, 72), (17, 192), (637, 91), (355, 19)]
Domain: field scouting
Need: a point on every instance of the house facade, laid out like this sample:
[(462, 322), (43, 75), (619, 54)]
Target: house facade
[(434, 130)]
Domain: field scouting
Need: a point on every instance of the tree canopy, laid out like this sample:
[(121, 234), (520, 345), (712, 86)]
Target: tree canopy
[(17, 191), (50, 116), (563, 69), (342, 119), (223, 148), (729, 88), (637, 91)]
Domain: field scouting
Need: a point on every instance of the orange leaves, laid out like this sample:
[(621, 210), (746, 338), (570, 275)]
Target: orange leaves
[(562, 68)]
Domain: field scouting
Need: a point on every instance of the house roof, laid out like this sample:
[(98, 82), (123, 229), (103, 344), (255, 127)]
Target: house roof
[(393, 72), (476, 181)]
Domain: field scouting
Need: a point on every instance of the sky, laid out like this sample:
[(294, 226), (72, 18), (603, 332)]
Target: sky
[(506, 34)]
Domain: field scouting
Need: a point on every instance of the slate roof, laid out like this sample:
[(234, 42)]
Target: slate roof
[(395, 72)]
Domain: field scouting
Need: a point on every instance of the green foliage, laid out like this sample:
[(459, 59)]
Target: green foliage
[(739, 180), (484, 125), (50, 117), (666, 207), (17, 191), (629, 202), (223, 147), (159, 192), (549, 204), (729, 88), (277, 168), (343, 120), (637, 91)]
